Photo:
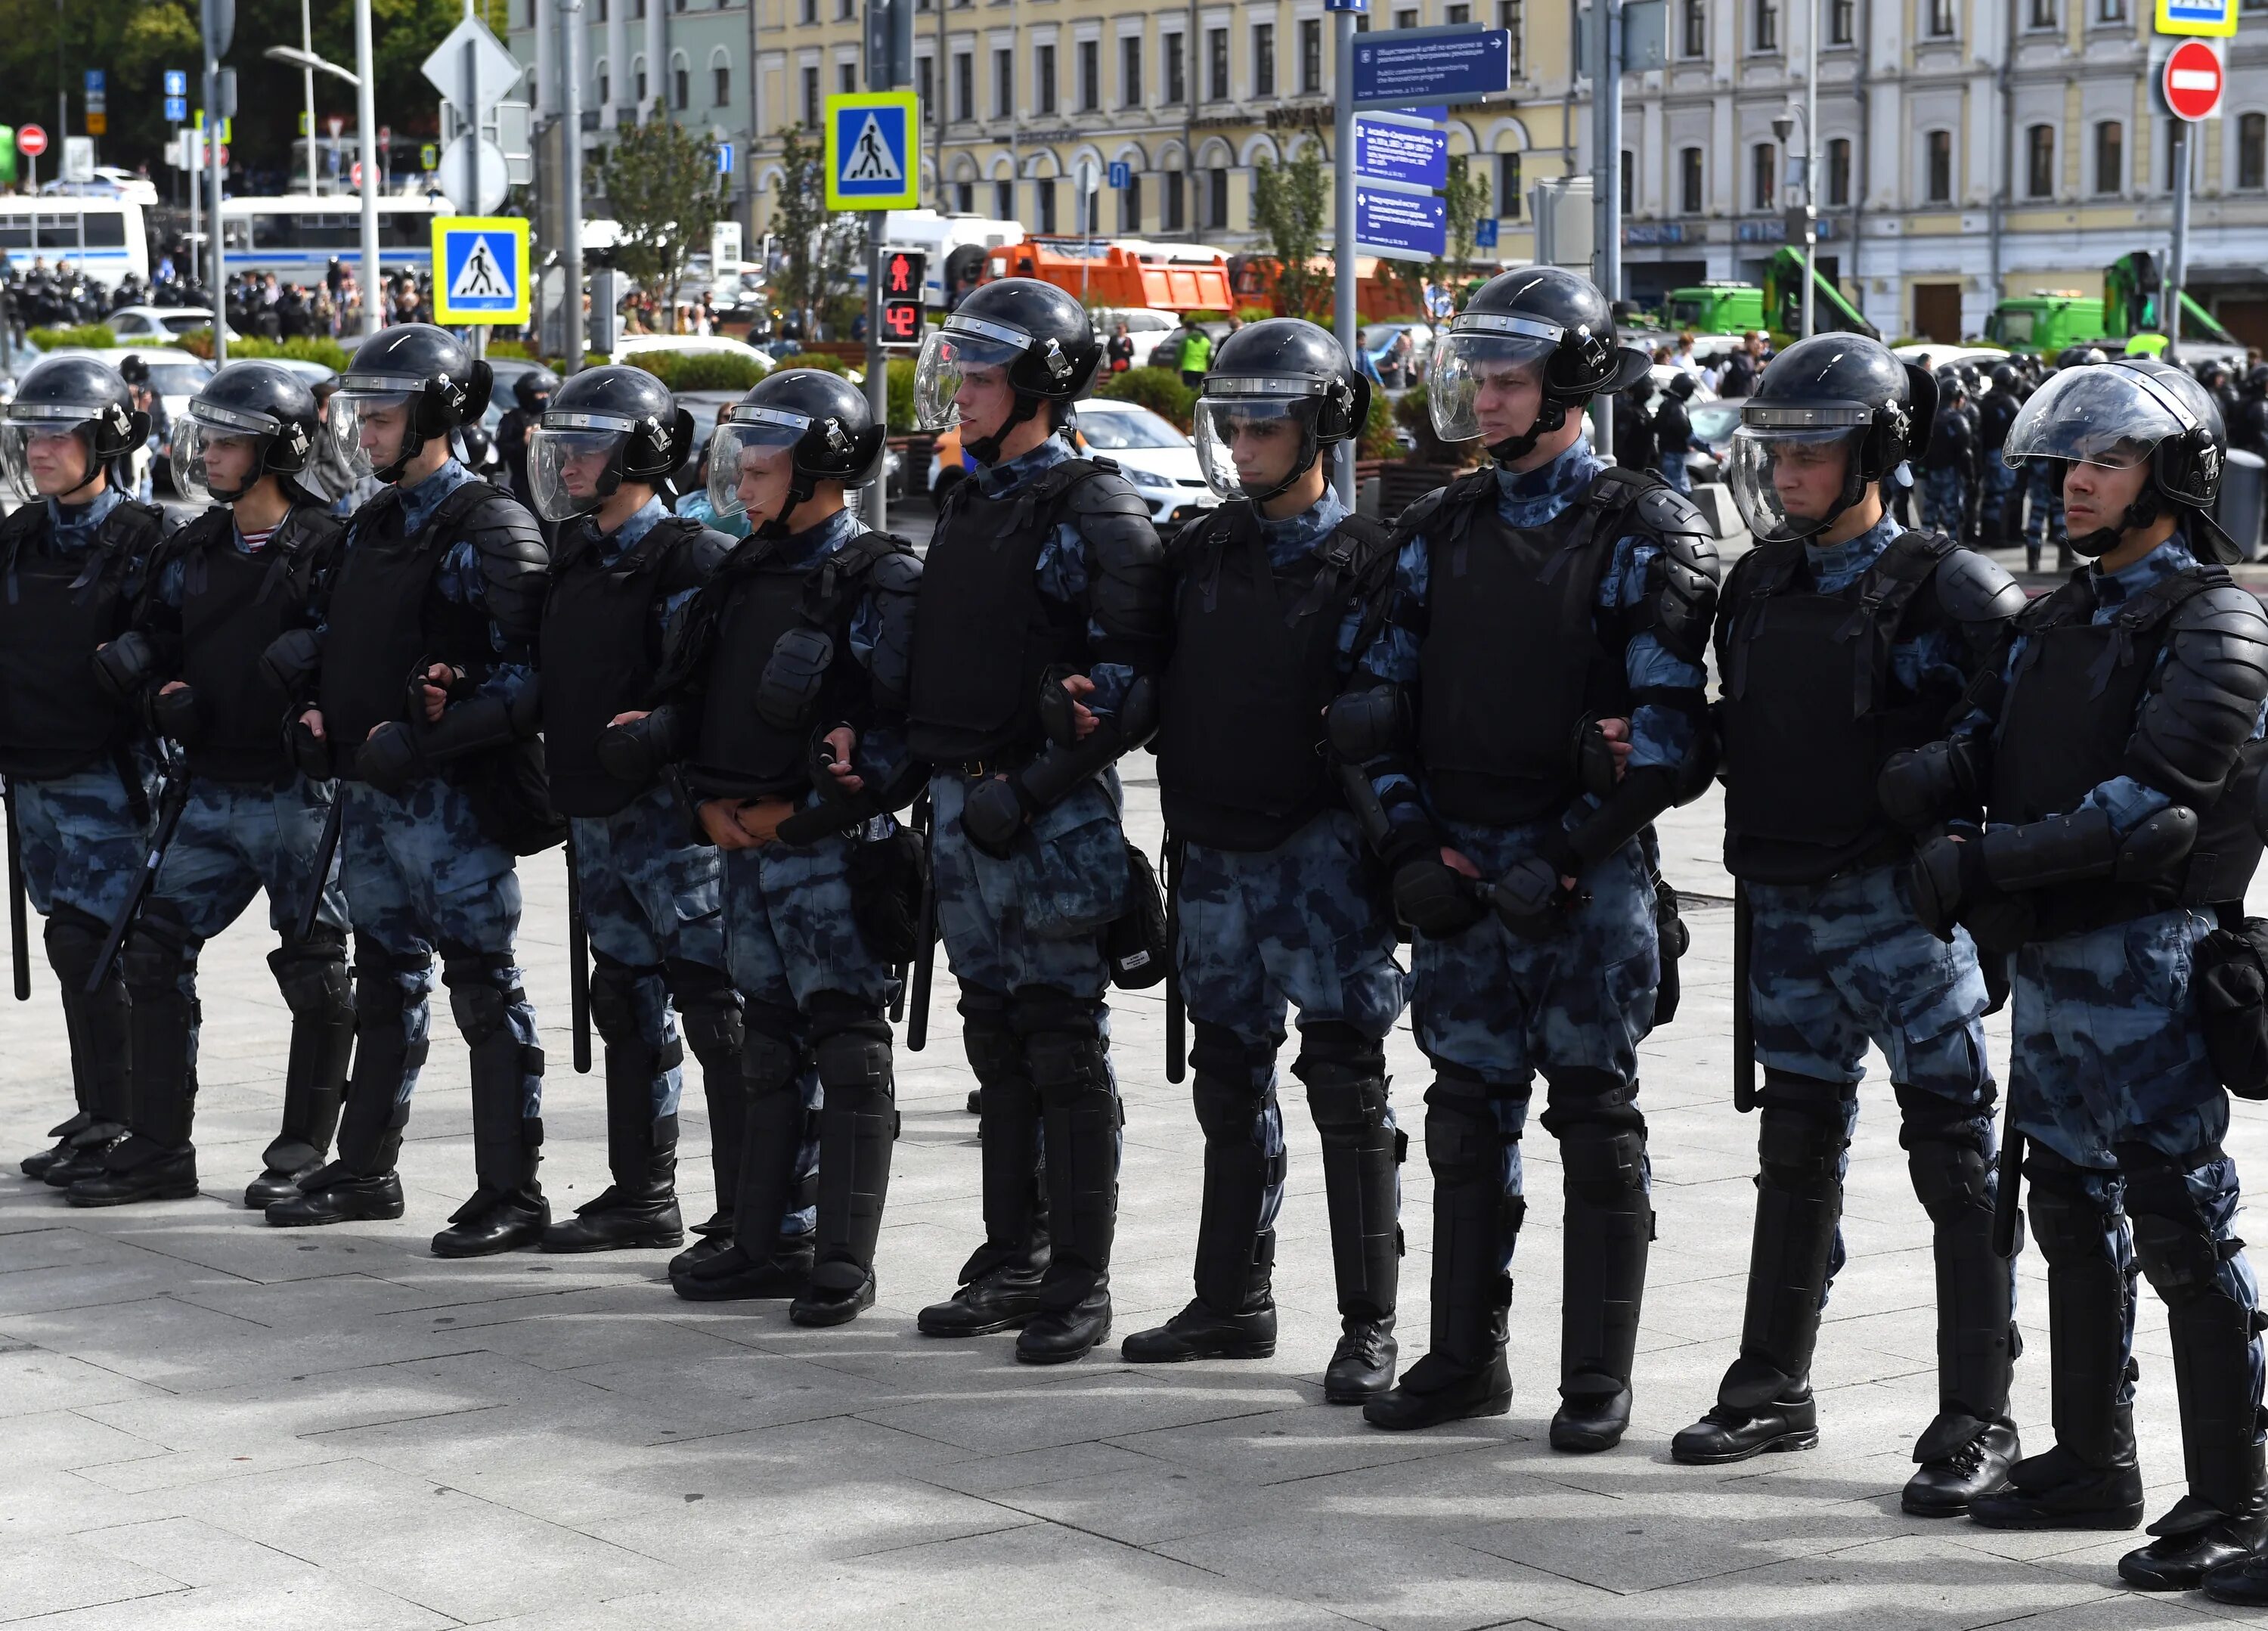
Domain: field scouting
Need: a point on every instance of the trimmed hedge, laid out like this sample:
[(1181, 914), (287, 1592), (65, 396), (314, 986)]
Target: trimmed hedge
[(86, 336), (251, 348), (699, 370), (1160, 390)]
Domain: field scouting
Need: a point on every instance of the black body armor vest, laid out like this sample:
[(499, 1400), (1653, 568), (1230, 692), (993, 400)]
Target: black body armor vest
[(55, 608), (1812, 711), (1239, 743), (234, 606), (985, 635)]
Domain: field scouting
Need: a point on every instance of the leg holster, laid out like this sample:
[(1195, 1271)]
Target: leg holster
[(772, 1127), (1799, 1145), (160, 964), (2090, 1252), (858, 1123), (506, 1141), (1346, 1077), (1229, 1089), (1063, 1049), (641, 1142), (1474, 1221), (1610, 1225), (386, 1062), (708, 1012), (1008, 1126), (100, 1026), (2214, 1335), (313, 976), (1976, 1340)]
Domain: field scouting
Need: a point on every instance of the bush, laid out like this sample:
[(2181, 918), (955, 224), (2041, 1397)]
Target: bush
[(86, 336), (1254, 314), (513, 347), (826, 362), (1412, 414), (1379, 440), (902, 396), (1160, 390), (699, 370), (251, 348)]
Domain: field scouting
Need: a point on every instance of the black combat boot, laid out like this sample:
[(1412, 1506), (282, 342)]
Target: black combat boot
[(506, 1211), (100, 1026), (1000, 1283), (155, 1161), (762, 1263), (361, 1184), (1079, 1108), (318, 991), (1346, 1077), (857, 1123), (1234, 1314), (1609, 1224), (1203, 1331)]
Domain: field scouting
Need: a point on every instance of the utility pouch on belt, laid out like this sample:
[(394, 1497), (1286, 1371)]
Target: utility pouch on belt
[(1135, 942), (2229, 974)]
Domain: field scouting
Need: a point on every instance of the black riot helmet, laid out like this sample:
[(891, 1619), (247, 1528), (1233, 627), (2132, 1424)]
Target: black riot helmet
[(533, 388), (75, 396), (820, 421), (602, 428), (1830, 391), (2256, 380), (2081, 357), (1286, 375), (263, 403), (1039, 333), (425, 377), (2004, 380), (2130, 410), (1537, 319)]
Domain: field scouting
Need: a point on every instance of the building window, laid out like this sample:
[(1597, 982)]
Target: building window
[(605, 88), (925, 81), (1311, 58), (602, 11), (1176, 219), (1217, 64), (1044, 194), (1764, 175), (1129, 206), (810, 11), (2115, 10), (722, 75), (1630, 179), (1217, 197), (1839, 173), (1764, 33), (1004, 85), (2109, 157), (2042, 14), (1689, 180), (846, 77), (810, 103), (1508, 189), (1842, 21), (1458, 14), (637, 9), (682, 89), (1043, 78), (1937, 166), (1129, 71), (844, 10), (1263, 59), (1090, 75), (1003, 201), (964, 85), (2252, 151), (964, 197), (1174, 89), (2039, 161), (1695, 30), (1508, 18), (1940, 20), (637, 71), (1406, 19)]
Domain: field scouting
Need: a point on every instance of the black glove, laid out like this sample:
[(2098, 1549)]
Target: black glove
[(310, 754), (1944, 874), (992, 812), (389, 760), (1530, 899), (637, 752), (173, 713), (124, 665), (1434, 898)]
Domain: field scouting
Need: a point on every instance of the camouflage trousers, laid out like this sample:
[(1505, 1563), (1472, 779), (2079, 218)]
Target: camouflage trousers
[(2000, 500), (420, 876), (1300, 925), (2108, 1074), (2043, 519), (84, 839), (1945, 502), (1671, 469), (649, 897), (790, 937)]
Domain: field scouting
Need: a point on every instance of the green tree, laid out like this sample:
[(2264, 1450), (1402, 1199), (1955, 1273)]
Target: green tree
[(1465, 203), (660, 180), (820, 244), (1290, 204)]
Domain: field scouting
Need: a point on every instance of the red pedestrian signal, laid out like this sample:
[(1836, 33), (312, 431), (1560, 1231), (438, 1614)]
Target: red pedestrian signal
[(902, 272), (899, 271)]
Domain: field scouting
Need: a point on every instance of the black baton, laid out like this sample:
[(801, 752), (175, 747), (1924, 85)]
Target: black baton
[(579, 968), (1177, 1040), (925, 955), (20, 933), (325, 852), (1744, 1031)]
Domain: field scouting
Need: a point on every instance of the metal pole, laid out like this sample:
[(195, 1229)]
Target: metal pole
[(878, 363), (1607, 122), (1811, 158), (307, 77), (570, 205), (218, 261), (2185, 155), (470, 135), (63, 92), (366, 127), (1343, 231), (197, 190)]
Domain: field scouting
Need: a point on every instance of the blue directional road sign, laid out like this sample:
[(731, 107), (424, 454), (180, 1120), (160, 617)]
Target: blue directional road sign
[(1484, 233), (1401, 226), (724, 158), (177, 109), (1389, 150), (1425, 64), (177, 83), (1121, 173), (1346, 5)]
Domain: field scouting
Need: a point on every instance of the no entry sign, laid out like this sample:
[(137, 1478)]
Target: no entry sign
[(2193, 81), (31, 141)]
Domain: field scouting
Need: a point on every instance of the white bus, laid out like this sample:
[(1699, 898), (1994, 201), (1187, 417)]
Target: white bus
[(105, 237), (297, 238)]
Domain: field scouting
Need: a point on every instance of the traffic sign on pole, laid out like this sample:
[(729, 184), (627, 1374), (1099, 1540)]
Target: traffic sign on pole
[(2192, 81), (902, 272), (873, 150), (1458, 64), (1399, 226), (1121, 173), (30, 140), (479, 270), (177, 82), (2215, 17)]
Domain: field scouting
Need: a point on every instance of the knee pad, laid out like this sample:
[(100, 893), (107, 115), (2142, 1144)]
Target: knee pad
[(1066, 1067), (1217, 1052), (1603, 1164), (1799, 1149), (1951, 1179), (1926, 1118), (838, 1013), (1336, 1047), (74, 941), (1049, 1010), (311, 973), (854, 1063), (2071, 1224), (986, 1036), (708, 1009), (769, 1062), (1227, 1108), (1348, 1104), (614, 997), (377, 991), (1596, 1098), (158, 951), (1464, 1142), (2173, 1234), (481, 1004)]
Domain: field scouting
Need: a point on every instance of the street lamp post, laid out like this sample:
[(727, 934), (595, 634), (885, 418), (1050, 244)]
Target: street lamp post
[(366, 123)]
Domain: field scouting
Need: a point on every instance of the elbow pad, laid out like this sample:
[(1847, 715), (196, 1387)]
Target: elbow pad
[(2158, 846), (1922, 786), (638, 752), (292, 661), (827, 817), (794, 675), (126, 666), (1363, 726), (398, 752), (1640, 796), (2063, 849)]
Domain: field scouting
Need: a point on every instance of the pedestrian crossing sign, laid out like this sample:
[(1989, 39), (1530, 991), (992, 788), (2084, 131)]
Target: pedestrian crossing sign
[(873, 157), (479, 270)]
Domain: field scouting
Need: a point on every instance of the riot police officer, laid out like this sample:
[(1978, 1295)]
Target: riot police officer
[(422, 697), (74, 559), (1948, 460), (2115, 765), (1810, 714), (531, 393), (1995, 510), (1043, 617), (624, 568), (1534, 701), (788, 692), (1276, 903), (231, 582)]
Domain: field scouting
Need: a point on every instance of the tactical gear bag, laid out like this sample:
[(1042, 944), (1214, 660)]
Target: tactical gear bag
[(888, 878), (1136, 944), (2229, 974)]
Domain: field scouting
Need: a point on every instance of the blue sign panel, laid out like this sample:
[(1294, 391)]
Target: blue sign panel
[(1407, 153), (177, 109), (1401, 226), (724, 158), (1122, 174), (96, 82), (1346, 5), (1484, 233), (177, 82), (482, 269), (1454, 68)]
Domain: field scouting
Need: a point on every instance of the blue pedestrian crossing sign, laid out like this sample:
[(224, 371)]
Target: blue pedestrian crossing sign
[(873, 154), (479, 270)]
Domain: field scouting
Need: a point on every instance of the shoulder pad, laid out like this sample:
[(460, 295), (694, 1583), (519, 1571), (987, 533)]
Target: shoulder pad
[(2225, 609), (142, 525), (692, 557), (1105, 492), (1668, 514), (507, 536), (205, 527), (1975, 588), (898, 572)]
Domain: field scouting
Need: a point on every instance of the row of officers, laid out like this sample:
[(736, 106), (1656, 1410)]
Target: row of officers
[(1459, 730)]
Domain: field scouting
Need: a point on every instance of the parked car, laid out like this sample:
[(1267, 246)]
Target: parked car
[(1158, 461), (160, 323), (631, 345)]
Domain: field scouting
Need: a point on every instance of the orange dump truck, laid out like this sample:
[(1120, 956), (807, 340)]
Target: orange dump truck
[(1379, 295), (1167, 277)]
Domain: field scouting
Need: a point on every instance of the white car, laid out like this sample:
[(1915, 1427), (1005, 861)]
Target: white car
[(1143, 326), (1948, 356), (159, 324), (1158, 461), (631, 346)]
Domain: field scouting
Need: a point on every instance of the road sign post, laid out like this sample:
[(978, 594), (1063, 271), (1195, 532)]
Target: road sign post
[(2194, 83), (479, 270), (1344, 317), (873, 146)]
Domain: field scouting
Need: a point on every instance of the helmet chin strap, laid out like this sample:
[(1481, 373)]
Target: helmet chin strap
[(1306, 461), (798, 488), (413, 443), (1549, 418), (986, 449)]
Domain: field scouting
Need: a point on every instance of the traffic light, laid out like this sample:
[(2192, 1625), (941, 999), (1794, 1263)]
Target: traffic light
[(903, 272)]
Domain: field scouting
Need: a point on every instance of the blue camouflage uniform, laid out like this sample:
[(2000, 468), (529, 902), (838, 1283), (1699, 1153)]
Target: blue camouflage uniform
[(2043, 481)]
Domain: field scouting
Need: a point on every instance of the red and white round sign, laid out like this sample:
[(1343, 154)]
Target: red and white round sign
[(2193, 81), (30, 140)]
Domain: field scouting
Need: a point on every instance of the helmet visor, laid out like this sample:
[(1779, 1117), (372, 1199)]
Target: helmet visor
[(1791, 482), (950, 355), (1476, 371), (47, 448), (1251, 446), (371, 429), (2104, 416), (751, 446), (575, 462), (216, 463)]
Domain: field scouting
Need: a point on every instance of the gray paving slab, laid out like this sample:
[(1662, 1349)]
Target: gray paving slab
[(205, 1422)]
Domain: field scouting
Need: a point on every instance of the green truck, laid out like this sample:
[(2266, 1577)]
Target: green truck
[(1778, 306), (2048, 321)]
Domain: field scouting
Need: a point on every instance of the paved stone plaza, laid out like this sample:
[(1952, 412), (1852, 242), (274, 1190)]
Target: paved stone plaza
[(208, 1422)]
